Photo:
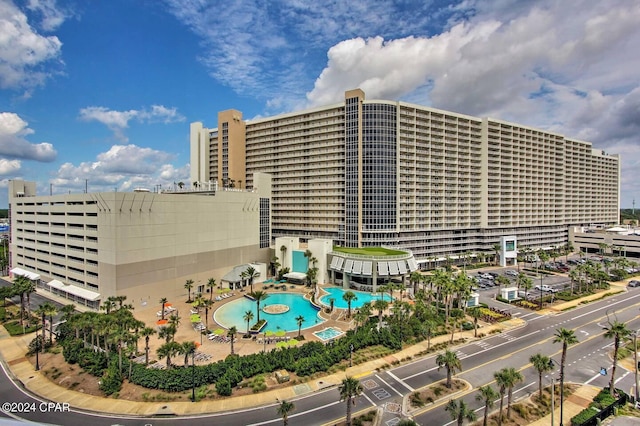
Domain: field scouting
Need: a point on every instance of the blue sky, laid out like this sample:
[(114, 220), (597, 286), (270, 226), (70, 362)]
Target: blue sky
[(103, 91)]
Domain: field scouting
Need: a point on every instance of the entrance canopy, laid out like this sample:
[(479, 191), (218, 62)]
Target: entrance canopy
[(75, 290), (22, 272)]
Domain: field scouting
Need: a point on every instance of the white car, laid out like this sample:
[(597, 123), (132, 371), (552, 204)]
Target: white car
[(511, 273), (546, 288)]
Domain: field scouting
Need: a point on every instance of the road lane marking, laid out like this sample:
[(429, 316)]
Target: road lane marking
[(394, 389), (399, 380)]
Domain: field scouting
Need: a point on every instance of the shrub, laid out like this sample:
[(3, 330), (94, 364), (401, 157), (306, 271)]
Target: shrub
[(111, 381), (416, 401), (223, 387)]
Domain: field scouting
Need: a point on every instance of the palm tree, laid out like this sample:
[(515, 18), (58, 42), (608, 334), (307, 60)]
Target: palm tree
[(163, 302), (380, 305), (566, 337), (349, 389), (259, 296), (207, 305), (501, 381), (507, 378), (475, 314), (283, 250), (19, 287), (496, 249), (503, 281), (428, 327), (211, 284), (618, 330), (167, 333), (460, 412), (187, 348), (487, 395), (68, 311), (283, 410), (414, 280), (49, 310), (108, 305), (168, 350), (542, 364), (251, 273), (248, 316), (451, 362), (147, 332), (232, 334), (568, 249), (42, 313), (299, 321), (349, 297), (174, 320), (188, 285)]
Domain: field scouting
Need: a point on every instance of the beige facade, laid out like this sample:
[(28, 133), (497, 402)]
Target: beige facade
[(439, 183), (619, 243), (140, 244)]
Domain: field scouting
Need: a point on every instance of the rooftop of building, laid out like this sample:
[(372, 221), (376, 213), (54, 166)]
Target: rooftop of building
[(370, 251)]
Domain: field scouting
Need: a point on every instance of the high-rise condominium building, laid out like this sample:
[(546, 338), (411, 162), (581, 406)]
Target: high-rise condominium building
[(391, 173)]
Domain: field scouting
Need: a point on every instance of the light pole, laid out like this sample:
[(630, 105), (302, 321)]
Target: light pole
[(635, 361), (351, 355), (540, 288), (193, 376), (37, 352), (553, 385)]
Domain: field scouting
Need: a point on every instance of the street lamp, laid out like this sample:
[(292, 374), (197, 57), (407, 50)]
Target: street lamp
[(193, 376), (37, 352), (553, 385), (540, 288), (635, 361), (351, 355)]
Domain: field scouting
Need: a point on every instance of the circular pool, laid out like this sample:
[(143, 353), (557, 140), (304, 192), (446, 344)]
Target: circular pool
[(231, 313)]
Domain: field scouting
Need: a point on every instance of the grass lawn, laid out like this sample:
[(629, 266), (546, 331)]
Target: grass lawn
[(15, 329), (369, 251)]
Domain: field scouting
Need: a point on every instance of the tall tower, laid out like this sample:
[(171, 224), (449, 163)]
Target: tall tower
[(231, 149), (353, 167)]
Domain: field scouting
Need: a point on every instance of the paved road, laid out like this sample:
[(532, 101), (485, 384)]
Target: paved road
[(385, 389)]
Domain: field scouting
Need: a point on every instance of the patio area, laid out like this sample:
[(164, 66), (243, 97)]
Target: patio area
[(215, 345)]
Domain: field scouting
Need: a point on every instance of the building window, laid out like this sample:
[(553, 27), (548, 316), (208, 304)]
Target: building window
[(265, 228)]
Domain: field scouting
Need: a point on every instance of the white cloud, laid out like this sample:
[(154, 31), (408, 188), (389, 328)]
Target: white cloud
[(122, 167), (9, 167), (269, 50), (52, 16), (13, 144), (118, 121), (24, 54)]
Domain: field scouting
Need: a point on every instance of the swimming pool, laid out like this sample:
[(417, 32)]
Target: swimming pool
[(328, 333), (231, 313), (363, 297)]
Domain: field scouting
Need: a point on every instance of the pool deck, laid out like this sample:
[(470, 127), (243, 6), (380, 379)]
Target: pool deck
[(218, 350)]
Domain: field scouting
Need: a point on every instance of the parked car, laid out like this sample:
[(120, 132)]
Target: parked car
[(511, 273), (634, 283), (486, 282), (486, 276), (546, 288)]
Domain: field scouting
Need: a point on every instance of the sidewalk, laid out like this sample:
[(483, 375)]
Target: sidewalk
[(574, 404)]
